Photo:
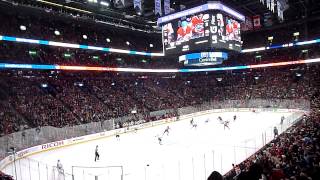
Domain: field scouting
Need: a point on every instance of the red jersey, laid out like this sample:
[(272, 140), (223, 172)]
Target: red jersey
[(197, 24), (229, 28), (181, 32)]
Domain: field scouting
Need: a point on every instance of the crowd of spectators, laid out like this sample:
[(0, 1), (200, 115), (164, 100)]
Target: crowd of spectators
[(293, 155), (5, 177), (64, 100)]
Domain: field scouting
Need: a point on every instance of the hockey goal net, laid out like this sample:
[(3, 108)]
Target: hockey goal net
[(59, 174), (97, 173)]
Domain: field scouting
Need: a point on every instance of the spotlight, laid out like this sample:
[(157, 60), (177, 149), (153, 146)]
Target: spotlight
[(23, 28), (56, 32), (44, 85)]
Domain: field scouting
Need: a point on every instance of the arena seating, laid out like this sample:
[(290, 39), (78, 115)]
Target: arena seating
[(76, 100), (30, 99)]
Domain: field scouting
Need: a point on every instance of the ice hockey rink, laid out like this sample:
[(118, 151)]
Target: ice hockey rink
[(185, 154)]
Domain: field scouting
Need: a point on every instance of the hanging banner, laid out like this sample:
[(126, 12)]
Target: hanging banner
[(247, 25), (267, 19), (137, 5), (166, 7), (256, 21), (268, 3), (273, 4), (279, 11), (282, 5), (157, 7)]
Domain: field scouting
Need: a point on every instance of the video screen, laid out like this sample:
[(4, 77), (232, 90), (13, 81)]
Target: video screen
[(201, 31), (182, 34), (225, 32)]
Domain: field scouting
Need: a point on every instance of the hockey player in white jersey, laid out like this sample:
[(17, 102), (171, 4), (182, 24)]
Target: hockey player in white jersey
[(166, 131)]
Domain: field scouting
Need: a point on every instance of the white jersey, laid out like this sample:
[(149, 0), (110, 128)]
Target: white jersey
[(60, 167)]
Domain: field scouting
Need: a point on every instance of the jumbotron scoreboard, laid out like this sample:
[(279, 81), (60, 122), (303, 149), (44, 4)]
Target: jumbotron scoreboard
[(212, 27)]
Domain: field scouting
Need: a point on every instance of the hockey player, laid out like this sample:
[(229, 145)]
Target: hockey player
[(166, 131), (60, 167), (220, 119), (275, 132), (207, 120), (193, 125), (234, 118), (96, 154), (160, 140), (282, 119), (118, 137), (191, 122), (226, 124)]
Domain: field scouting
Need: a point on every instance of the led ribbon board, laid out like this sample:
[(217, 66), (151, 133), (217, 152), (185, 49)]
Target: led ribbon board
[(77, 46), (131, 52), (90, 68), (203, 58)]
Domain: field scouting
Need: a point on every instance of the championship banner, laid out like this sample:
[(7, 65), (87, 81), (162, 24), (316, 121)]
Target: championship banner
[(137, 5), (273, 4), (268, 4), (280, 12), (167, 8), (256, 21), (267, 19), (282, 5), (157, 7)]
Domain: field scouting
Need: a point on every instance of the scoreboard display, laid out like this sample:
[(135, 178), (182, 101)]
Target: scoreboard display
[(186, 34), (210, 30), (225, 33)]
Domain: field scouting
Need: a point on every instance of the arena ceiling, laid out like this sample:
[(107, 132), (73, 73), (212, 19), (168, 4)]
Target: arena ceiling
[(125, 14)]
